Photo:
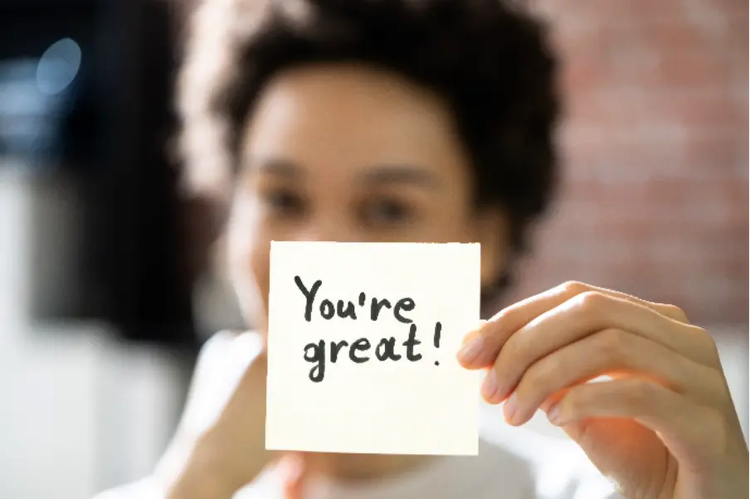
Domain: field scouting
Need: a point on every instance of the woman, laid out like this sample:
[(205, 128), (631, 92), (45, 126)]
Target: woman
[(315, 120)]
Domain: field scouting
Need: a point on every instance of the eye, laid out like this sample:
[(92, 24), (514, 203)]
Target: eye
[(387, 212), (283, 202)]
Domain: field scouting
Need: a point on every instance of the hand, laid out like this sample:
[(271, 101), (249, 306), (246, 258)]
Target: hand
[(231, 452), (661, 425)]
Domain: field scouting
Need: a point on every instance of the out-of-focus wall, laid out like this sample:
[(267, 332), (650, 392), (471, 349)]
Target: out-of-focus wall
[(655, 150)]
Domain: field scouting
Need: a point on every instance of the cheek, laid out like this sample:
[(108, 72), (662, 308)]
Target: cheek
[(249, 249)]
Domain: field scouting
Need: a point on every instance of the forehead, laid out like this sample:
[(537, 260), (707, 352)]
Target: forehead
[(345, 117)]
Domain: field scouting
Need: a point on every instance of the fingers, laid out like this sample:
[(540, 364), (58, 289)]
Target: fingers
[(576, 319), (481, 346), (692, 432), (584, 316), (612, 351)]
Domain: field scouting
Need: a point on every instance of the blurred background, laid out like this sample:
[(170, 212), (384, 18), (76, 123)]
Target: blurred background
[(106, 293)]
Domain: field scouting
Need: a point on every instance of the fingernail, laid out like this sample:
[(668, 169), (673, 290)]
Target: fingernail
[(471, 350), (510, 408), (553, 414), (489, 387)]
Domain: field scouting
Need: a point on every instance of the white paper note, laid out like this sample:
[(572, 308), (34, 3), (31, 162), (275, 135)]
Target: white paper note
[(362, 348)]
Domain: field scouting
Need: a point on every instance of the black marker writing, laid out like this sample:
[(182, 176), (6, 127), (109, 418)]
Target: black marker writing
[(403, 304), (359, 351), (348, 312), (376, 306), (411, 343), (309, 295), (386, 349), (436, 337), (345, 309)]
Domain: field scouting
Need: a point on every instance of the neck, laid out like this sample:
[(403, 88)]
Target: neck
[(364, 467)]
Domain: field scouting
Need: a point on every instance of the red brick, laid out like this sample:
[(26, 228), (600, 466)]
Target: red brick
[(674, 35), (689, 69), (732, 8), (655, 144), (737, 33)]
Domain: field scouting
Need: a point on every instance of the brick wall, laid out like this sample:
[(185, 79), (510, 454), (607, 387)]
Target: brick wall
[(655, 149)]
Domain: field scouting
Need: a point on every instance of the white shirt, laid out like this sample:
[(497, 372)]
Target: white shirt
[(494, 474), (517, 466)]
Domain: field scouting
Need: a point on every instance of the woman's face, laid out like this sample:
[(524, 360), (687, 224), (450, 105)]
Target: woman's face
[(346, 153)]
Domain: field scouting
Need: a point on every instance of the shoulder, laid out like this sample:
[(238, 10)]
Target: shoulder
[(232, 345), (219, 367)]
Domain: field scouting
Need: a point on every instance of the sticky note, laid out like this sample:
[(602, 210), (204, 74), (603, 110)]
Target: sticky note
[(362, 343)]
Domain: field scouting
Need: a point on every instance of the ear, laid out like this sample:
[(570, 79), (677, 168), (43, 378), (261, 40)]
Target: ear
[(493, 233)]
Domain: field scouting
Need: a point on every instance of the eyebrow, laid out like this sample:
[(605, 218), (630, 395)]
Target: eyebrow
[(374, 175)]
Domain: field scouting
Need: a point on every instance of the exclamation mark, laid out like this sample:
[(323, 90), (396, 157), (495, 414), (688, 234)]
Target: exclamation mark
[(436, 338)]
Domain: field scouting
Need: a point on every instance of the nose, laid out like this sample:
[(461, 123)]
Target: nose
[(327, 229)]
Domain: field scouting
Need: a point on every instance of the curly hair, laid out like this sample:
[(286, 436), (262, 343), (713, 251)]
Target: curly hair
[(489, 60)]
